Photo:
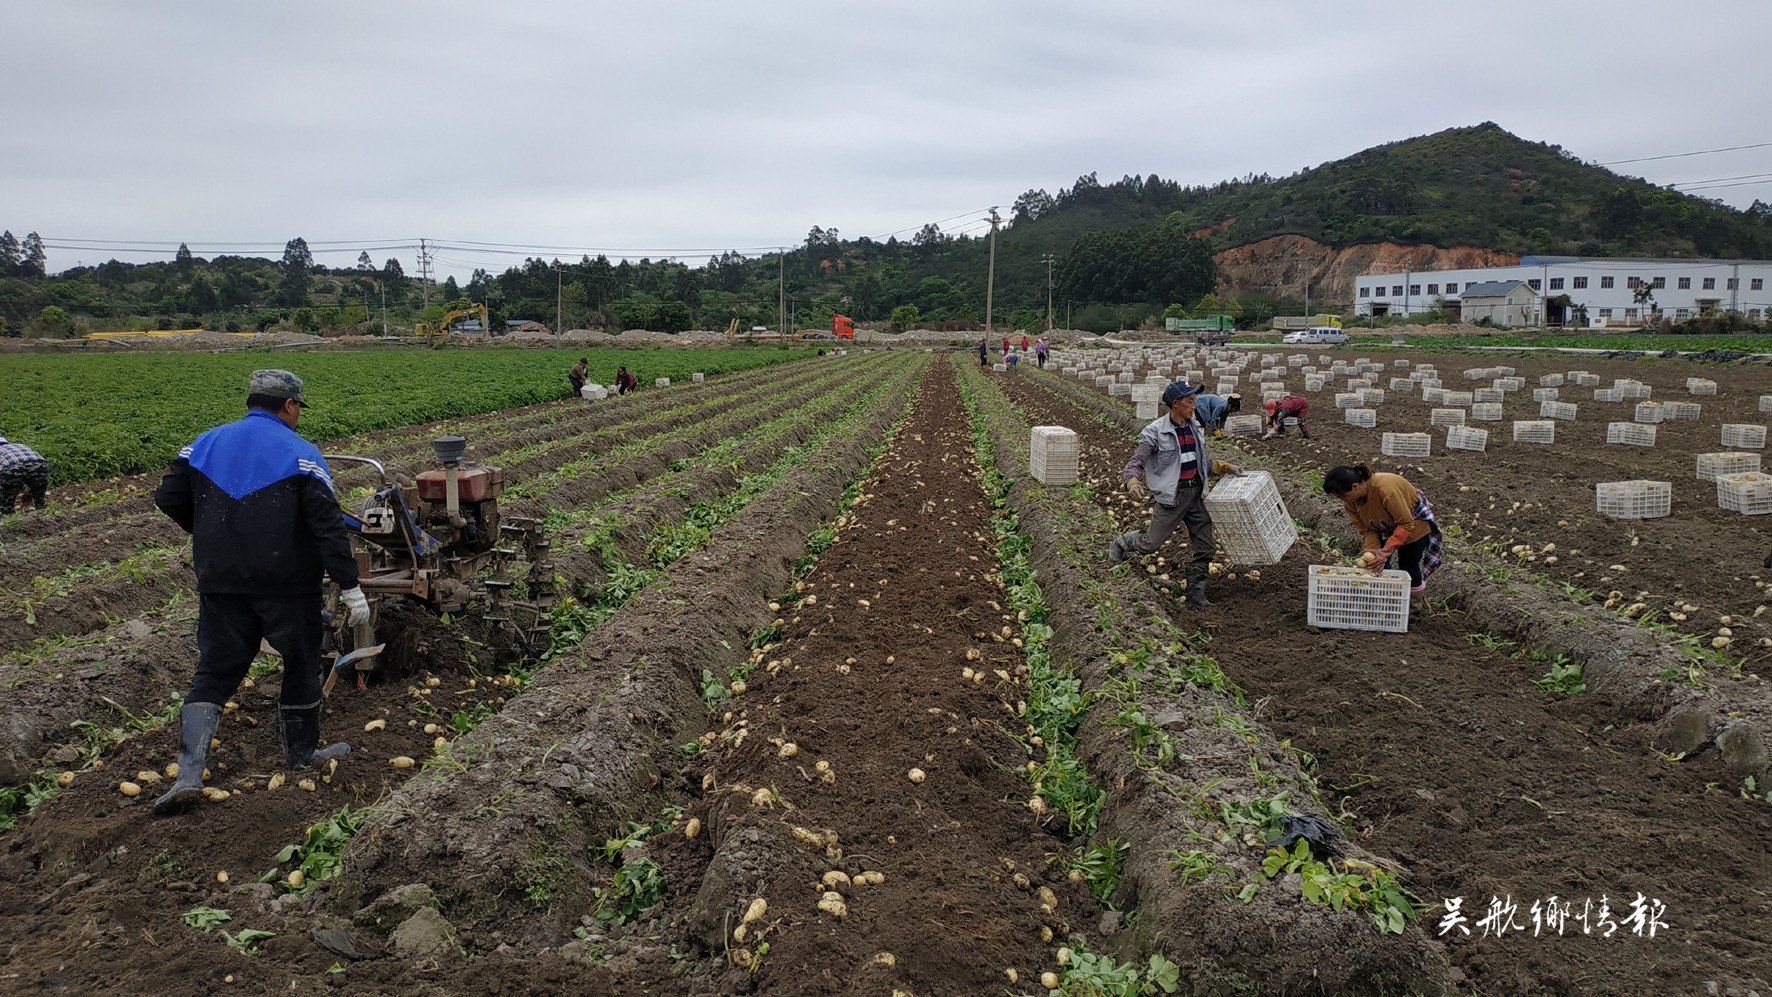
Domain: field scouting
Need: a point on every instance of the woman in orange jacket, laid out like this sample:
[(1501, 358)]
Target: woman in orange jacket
[(1394, 519)]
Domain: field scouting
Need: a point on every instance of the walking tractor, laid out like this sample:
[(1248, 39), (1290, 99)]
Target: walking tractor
[(437, 541)]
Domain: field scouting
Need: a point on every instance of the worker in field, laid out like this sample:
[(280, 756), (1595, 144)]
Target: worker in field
[(1394, 520), (1024, 344), (625, 381), (1040, 349), (578, 375), (1290, 407), (23, 471), (1211, 410), (1169, 466), (265, 526), (984, 354)]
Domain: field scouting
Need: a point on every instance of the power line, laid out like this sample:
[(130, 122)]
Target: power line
[(1714, 186), (1682, 155)]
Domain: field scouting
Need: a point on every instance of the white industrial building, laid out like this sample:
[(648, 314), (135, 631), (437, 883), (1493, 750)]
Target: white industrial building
[(1571, 290)]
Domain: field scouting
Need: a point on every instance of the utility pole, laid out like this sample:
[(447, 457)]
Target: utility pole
[(990, 280), (383, 287), (781, 288), (558, 327), (1406, 265), (1049, 258), (424, 275)]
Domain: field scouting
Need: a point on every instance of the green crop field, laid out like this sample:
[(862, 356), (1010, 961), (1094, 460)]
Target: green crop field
[(101, 416)]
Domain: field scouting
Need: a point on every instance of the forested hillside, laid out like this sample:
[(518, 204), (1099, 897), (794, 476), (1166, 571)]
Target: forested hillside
[(1121, 251)]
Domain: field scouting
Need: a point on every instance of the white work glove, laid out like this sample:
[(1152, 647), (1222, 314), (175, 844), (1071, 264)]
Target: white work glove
[(356, 606), (1136, 488)]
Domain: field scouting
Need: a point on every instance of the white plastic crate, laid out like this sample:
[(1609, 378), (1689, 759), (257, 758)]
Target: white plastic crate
[(1145, 410), (1749, 493), (1557, 410), (1486, 411), (1432, 396), (1365, 418), (1544, 394), (1242, 425), (1250, 519), (1346, 399), (1587, 380), (1402, 384), (1466, 438), (1650, 412), (1446, 417), (1371, 396), (1052, 455), (1314, 383), (1124, 377), (1737, 434), (1358, 383), (1101, 380), (1355, 599), (1550, 381), (1430, 382), (1634, 392), (1700, 386), (662, 382), (1225, 388), (1508, 383), (1634, 499), (1535, 431), (1608, 395), (1399, 363), (1407, 444), (1506, 371), (696, 378), (1460, 398), (1147, 392), (1687, 411), (1766, 403), (1003, 368), (1120, 389), (1712, 466), (1483, 396), (1273, 394), (1630, 433)]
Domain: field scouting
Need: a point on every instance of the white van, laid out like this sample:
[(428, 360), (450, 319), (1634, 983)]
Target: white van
[(1326, 335)]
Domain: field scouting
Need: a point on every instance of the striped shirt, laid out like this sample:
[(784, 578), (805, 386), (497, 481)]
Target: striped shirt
[(15, 455)]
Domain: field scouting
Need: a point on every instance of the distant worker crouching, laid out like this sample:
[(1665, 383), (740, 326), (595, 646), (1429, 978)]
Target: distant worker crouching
[(265, 526), (625, 381), (1289, 407), (23, 471), (1171, 459)]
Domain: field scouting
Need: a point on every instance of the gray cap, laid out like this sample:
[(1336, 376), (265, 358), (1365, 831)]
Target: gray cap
[(275, 384), (1177, 391)]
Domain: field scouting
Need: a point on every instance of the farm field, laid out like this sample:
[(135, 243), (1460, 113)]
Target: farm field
[(836, 700), (104, 416)]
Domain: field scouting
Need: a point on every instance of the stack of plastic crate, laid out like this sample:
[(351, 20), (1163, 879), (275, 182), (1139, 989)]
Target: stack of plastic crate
[(1749, 493), (1365, 418), (1355, 599), (1700, 386), (1630, 433), (1242, 425), (1714, 465), (1535, 431), (1446, 417), (1466, 438), (1486, 411), (1250, 519), (1544, 394), (1681, 410), (1743, 435), (1225, 388), (1407, 445), (1649, 412), (1634, 499), (1550, 381), (1052, 455), (1557, 410)]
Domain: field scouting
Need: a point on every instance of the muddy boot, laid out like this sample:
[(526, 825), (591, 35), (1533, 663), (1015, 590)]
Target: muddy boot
[(196, 726), (1123, 545), (301, 737), (1197, 572)]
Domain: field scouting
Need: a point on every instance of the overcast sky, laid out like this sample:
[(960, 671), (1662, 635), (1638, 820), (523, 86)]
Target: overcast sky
[(680, 129)]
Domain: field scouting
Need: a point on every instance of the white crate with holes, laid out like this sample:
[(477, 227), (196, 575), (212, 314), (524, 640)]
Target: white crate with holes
[(1194, 376), (1407, 445), (1147, 392), (1544, 394), (1608, 395), (1124, 378), (1550, 380), (1356, 383), (1486, 411), (1587, 380), (1634, 499), (1509, 383), (1461, 398), (1225, 388), (1003, 368), (1766, 403), (1119, 389), (1535, 431), (1144, 410), (1365, 418), (1432, 396), (1634, 434), (1746, 436), (1488, 395), (1274, 394), (661, 382), (1431, 383), (1402, 384), (1650, 412), (1053, 454), (1711, 466), (1446, 417), (696, 378), (1250, 519), (1297, 360), (1371, 396), (1314, 383), (1345, 598), (1478, 373), (1557, 410), (1634, 392), (1466, 438), (1687, 411), (1700, 386), (1749, 493), (1346, 399), (1101, 381), (1242, 425)]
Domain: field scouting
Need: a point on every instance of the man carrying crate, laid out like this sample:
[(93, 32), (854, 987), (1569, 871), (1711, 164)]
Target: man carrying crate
[(1171, 461)]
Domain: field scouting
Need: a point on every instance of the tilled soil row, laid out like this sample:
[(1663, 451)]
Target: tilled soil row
[(1121, 640), (1435, 750), (505, 842), (89, 604)]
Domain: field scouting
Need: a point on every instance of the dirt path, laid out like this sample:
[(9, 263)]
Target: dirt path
[(1445, 759)]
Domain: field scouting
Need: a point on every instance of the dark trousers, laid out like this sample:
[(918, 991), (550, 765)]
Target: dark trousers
[(577, 386), (32, 477), (1409, 559), (229, 628), (1189, 510)]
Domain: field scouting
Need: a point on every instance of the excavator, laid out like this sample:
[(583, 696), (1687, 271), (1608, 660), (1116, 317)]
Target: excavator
[(431, 334)]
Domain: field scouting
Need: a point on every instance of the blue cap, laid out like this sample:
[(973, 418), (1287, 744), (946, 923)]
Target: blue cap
[(1177, 391)]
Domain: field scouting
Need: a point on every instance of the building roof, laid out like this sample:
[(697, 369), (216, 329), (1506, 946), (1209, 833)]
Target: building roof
[(1493, 288)]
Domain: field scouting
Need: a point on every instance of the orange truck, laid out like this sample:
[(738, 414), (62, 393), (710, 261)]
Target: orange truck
[(842, 327)]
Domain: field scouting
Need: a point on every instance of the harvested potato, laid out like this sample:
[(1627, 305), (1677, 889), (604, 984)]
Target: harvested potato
[(129, 789), (275, 782), (221, 877), (148, 778), (171, 770), (1049, 980), (834, 879), (916, 775), (739, 687), (375, 725), (693, 828), (401, 762), (1064, 957), (433, 682), (65, 780), (756, 910), (307, 784), (873, 877), (832, 903), (215, 795), (296, 878), (1012, 974)]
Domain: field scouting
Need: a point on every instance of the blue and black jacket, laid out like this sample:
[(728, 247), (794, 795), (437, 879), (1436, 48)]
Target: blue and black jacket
[(257, 500)]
